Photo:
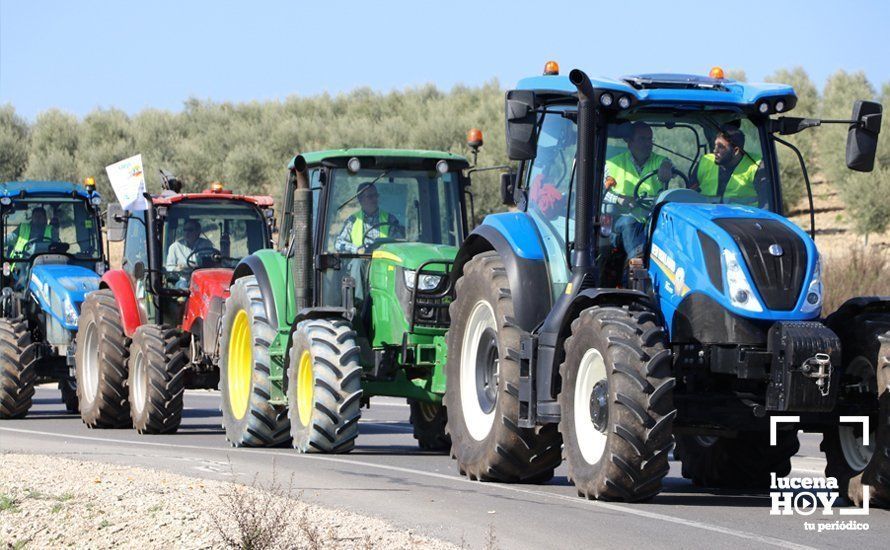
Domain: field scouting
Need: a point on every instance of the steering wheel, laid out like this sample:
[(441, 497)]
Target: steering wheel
[(52, 247), (379, 240), (674, 172), (205, 252)]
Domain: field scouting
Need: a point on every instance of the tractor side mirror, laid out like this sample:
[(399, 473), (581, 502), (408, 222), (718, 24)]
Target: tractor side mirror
[(508, 189), (116, 223), (522, 123), (139, 270), (862, 137)]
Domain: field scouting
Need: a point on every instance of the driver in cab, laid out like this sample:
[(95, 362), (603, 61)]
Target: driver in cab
[(181, 254), (30, 233), (367, 225), (622, 174)]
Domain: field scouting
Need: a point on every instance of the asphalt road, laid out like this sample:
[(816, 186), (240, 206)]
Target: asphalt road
[(388, 477)]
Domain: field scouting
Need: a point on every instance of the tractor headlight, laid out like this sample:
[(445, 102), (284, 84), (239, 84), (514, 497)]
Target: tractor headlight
[(813, 299), (427, 282), (5, 201), (71, 314), (741, 295)]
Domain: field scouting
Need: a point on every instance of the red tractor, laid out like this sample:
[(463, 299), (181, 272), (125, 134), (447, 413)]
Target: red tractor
[(151, 329)]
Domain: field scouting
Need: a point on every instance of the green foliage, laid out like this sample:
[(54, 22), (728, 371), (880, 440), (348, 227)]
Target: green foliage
[(54, 142), (105, 138), (13, 144), (841, 90), (790, 174)]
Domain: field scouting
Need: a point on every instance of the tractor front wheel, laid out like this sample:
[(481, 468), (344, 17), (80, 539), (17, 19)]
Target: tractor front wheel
[(68, 388), (865, 380), (617, 404), (156, 383), (245, 383), (324, 387), (742, 462), (482, 383), (17, 368), (101, 363), (428, 421)]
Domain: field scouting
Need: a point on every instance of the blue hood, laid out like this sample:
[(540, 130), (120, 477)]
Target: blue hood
[(54, 284)]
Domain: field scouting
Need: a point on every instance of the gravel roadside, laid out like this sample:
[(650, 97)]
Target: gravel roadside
[(52, 502)]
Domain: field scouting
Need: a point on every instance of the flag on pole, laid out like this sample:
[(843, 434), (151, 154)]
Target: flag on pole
[(127, 178)]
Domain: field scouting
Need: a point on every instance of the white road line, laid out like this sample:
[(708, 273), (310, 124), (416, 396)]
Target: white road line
[(577, 501)]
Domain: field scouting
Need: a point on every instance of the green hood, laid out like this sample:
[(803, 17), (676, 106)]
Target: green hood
[(412, 255)]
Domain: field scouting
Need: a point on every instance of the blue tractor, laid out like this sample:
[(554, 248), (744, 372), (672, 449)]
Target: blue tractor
[(52, 257), (648, 295)]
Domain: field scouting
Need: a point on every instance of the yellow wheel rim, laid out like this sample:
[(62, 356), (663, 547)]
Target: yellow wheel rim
[(305, 388), (240, 367)]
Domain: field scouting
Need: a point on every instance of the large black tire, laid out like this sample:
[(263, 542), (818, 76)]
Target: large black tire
[(324, 387), (482, 387), (428, 421), (617, 404), (101, 363), (249, 419), (68, 388), (743, 462), (17, 368), (156, 382), (865, 342)]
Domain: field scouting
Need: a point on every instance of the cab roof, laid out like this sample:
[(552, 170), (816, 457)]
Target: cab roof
[(669, 88), (33, 187), (166, 199), (317, 157)]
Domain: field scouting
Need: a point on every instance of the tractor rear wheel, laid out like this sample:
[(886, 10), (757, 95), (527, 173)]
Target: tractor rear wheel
[(324, 387), (68, 388), (156, 383), (245, 371), (482, 383), (742, 462), (17, 368), (617, 403), (865, 380), (428, 421), (101, 363)]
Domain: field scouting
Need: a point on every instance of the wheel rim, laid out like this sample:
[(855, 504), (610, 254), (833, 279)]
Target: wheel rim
[(139, 383), (305, 388), (240, 367), (591, 406), (479, 353), (91, 363), (856, 454)]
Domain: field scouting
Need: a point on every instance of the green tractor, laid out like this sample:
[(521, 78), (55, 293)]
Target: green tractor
[(352, 304)]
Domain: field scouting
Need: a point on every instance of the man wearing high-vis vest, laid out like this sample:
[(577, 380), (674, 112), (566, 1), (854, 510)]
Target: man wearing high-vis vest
[(368, 224), (729, 173), (623, 172), (35, 231)]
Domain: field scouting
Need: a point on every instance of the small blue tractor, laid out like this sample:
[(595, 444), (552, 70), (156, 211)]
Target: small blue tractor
[(648, 295), (51, 256)]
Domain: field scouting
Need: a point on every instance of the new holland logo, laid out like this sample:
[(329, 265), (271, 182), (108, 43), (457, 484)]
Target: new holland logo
[(776, 250)]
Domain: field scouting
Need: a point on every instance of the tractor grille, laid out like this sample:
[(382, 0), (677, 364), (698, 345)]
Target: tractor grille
[(778, 278)]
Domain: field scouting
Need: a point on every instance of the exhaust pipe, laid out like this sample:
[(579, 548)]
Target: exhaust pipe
[(302, 235), (585, 200)]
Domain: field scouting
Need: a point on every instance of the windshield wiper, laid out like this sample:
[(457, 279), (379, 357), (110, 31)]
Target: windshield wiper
[(352, 198)]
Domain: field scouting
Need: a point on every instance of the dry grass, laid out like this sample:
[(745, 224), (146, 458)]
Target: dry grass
[(858, 272)]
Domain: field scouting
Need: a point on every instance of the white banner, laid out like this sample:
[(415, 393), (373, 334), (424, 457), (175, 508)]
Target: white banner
[(128, 181)]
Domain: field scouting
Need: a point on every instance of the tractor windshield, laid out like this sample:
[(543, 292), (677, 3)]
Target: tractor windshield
[(372, 207), (201, 234), (50, 225)]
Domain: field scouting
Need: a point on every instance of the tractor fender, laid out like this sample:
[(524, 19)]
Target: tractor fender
[(122, 286), (270, 269), (855, 306), (517, 241)]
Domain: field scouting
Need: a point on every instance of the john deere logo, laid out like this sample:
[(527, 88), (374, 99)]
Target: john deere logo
[(776, 250)]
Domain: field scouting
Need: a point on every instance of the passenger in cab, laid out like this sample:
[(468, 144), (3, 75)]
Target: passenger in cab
[(729, 173)]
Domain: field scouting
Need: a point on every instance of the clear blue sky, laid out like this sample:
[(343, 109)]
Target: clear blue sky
[(79, 55)]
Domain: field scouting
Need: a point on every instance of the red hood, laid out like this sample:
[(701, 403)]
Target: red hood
[(206, 284)]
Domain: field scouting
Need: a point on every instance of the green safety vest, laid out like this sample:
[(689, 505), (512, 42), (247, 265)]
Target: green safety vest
[(622, 169), (740, 187), (24, 236), (358, 227)]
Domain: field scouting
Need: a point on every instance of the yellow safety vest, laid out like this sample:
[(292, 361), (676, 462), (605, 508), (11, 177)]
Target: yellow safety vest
[(24, 235), (358, 227), (740, 187), (622, 169)]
